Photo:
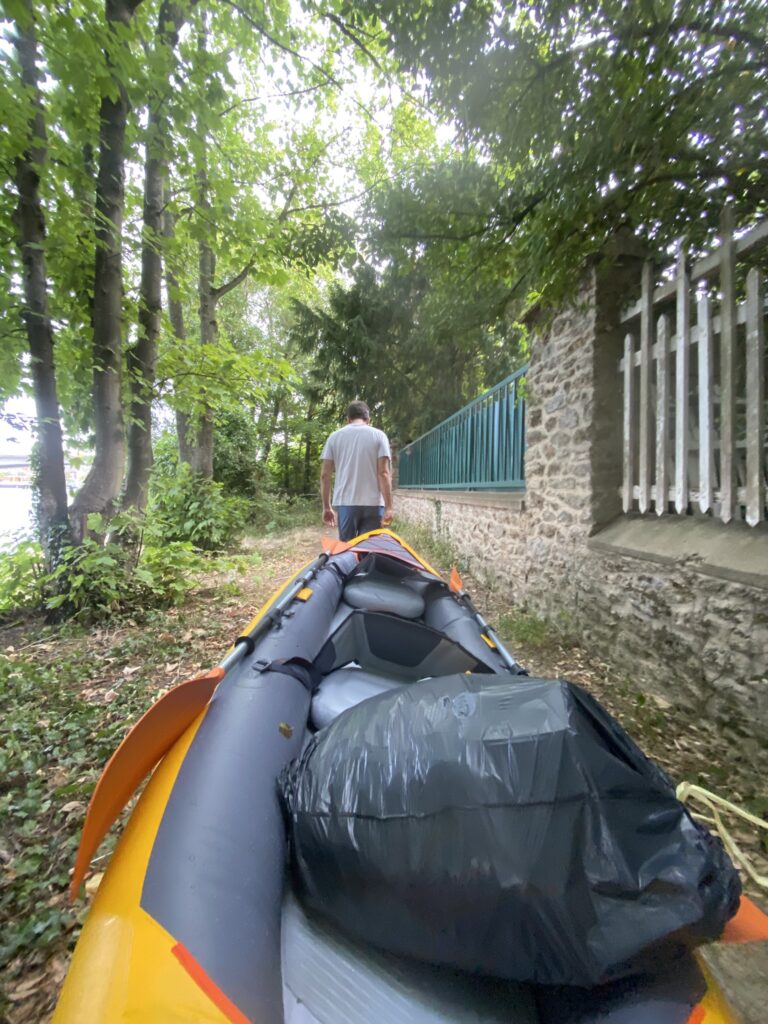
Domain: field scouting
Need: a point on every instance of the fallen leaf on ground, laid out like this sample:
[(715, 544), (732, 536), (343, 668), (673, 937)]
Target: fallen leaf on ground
[(25, 988), (93, 883)]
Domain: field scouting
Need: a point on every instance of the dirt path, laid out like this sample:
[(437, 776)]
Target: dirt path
[(119, 670)]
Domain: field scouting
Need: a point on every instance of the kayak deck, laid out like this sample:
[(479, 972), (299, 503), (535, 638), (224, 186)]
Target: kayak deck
[(329, 978)]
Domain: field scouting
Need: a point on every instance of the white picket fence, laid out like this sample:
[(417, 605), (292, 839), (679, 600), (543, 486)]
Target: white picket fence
[(694, 386)]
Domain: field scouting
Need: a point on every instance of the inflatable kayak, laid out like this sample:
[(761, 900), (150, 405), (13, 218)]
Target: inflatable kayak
[(195, 919)]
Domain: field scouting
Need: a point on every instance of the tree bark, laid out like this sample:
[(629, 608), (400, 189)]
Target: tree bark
[(270, 431), (202, 454), (142, 357), (102, 485), (286, 452), (308, 449), (30, 222), (176, 316), (201, 446)]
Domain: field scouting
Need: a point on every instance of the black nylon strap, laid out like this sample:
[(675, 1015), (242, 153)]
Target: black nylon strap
[(306, 674)]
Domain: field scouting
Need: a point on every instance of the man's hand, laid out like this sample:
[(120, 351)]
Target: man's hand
[(329, 517), (388, 516)]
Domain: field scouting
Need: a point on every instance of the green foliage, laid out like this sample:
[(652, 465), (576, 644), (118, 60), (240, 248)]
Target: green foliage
[(22, 578), (53, 743), (186, 508), (166, 456), (236, 442), (410, 341), (97, 580), (273, 512), (526, 628), (128, 574), (587, 118), (434, 548)]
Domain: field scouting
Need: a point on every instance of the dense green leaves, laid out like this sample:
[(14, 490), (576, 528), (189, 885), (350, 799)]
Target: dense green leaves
[(415, 342), (185, 508), (594, 116), (357, 243)]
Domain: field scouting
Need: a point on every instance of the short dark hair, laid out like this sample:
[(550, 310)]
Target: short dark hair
[(358, 411)]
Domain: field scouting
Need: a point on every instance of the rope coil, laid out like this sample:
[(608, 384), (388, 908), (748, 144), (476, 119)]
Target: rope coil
[(688, 791)]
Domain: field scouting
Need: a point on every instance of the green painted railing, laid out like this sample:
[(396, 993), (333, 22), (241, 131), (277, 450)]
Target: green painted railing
[(480, 447)]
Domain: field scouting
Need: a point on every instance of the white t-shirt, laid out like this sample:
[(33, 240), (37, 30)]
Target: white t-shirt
[(355, 451)]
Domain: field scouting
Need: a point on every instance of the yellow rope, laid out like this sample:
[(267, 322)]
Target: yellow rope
[(688, 791)]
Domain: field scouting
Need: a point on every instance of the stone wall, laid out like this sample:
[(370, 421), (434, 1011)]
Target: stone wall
[(676, 605)]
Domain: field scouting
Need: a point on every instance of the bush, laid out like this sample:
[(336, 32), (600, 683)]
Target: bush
[(185, 507), (95, 580), (22, 576), (165, 452), (272, 512), (236, 441)]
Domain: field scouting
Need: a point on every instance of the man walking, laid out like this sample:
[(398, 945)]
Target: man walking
[(360, 457)]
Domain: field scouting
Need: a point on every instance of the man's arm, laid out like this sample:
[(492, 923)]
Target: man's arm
[(326, 478), (384, 473)]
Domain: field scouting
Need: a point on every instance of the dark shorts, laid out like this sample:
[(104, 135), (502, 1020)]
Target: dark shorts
[(357, 519)]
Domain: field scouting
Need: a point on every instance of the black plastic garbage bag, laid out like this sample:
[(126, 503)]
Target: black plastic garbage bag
[(513, 830)]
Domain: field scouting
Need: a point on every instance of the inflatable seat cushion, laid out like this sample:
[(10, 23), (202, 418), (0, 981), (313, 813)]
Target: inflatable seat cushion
[(380, 594), (345, 688)]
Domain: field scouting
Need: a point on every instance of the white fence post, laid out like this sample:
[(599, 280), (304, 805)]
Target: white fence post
[(706, 438), (662, 413), (727, 368), (728, 419), (646, 329), (682, 383), (755, 364), (629, 423)]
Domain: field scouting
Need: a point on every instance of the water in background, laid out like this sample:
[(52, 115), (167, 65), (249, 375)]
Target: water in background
[(15, 514)]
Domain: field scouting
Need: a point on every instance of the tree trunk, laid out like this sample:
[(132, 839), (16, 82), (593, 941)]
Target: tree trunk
[(50, 479), (176, 316), (201, 455), (271, 432), (201, 451), (287, 453), (142, 357), (183, 435), (308, 450), (102, 485)]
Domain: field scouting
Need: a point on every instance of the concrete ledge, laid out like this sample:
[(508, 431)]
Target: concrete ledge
[(733, 552), (482, 499), (741, 973)]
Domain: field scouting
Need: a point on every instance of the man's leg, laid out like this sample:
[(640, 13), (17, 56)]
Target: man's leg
[(357, 519), (369, 518), (347, 519)]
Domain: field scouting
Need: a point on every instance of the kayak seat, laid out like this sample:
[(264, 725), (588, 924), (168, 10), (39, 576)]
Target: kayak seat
[(377, 593), (393, 647), (345, 688)]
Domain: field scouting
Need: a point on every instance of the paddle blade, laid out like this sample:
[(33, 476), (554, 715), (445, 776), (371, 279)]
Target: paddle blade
[(153, 736), (456, 583)]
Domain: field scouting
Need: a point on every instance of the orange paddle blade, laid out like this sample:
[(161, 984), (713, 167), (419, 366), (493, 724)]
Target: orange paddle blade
[(455, 582), (749, 924), (153, 736)]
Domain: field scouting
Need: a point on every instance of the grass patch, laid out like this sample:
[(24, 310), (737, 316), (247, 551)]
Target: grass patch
[(277, 513), (527, 629), (433, 548)]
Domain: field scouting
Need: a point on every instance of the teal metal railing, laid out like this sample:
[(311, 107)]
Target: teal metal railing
[(480, 447)]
